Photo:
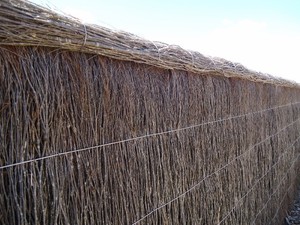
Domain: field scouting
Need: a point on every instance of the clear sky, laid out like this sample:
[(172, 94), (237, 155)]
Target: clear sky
[(263, 35)]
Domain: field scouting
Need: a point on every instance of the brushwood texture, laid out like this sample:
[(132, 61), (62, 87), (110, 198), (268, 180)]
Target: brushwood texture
[(25, 24), (56, 101)]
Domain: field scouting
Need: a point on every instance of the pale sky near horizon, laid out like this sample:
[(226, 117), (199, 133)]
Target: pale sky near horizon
[(263, 35)]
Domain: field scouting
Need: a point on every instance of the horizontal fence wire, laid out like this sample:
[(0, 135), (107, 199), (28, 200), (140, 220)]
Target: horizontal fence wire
[(275, 191), (213, 173), (257, 182), (280, 204), (141, 137)]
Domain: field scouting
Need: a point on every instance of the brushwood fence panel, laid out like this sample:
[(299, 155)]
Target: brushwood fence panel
[(87, 139)]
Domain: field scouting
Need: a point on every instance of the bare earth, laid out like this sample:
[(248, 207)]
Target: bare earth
[(294, 215)]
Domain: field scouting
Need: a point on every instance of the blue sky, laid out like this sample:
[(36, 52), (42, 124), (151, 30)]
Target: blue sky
[(262, 35)]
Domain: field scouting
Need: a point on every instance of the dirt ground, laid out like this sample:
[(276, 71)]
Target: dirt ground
[(294, 215)]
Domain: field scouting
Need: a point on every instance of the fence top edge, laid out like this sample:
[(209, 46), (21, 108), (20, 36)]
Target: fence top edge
[(26, 24)]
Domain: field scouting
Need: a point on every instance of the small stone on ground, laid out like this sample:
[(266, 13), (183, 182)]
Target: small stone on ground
[(294, 215)]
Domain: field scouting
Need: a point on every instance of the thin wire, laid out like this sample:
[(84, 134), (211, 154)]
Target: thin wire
[(283, 198), (257, 182), (277, 188), (140, 137), (210, 175), (85, 35)]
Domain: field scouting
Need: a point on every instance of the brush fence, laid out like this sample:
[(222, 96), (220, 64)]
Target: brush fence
[(88, 139)]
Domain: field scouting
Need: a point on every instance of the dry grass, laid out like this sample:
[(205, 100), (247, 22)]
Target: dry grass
[(25, 24)]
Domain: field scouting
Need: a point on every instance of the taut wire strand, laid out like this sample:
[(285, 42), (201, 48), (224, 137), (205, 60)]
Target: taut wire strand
[(277, 188), (140, 137), (210, 175), (257, 182)]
